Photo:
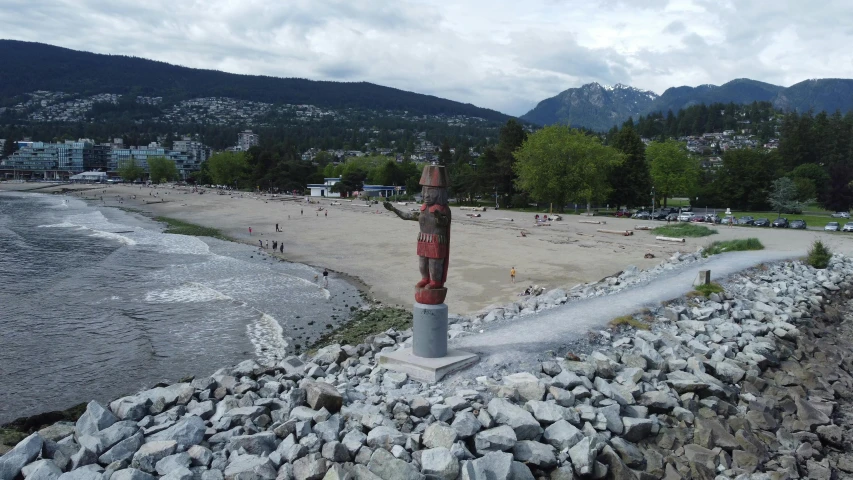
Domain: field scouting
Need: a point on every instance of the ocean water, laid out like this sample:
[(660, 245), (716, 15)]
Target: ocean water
[(96, 303)]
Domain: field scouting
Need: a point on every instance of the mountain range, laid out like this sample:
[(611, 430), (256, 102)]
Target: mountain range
[(27, 66), (599, 107)]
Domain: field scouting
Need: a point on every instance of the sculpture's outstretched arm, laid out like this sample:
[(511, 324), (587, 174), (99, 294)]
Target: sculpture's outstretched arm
[(404, 215)]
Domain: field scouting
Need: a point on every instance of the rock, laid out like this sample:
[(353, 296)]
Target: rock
[(187, 432), (123, 450), (545, 412), (394, 379), (200, 456), (520, 471), (684, 382), (256, 468), (658, 401), (173, 462), (259, 444), (710, 433), (439, 462), (441, 412), (636, 429), (106, 438), (526, 385), (57, 431), (809, 414), (385, 466), (744, 461), (562, 435), (466, 424), (180, 473), (330, 354), (563, 473), (628, 452), (493, 465), (616, 469), (583, 456), (42, 470), (522, 422), (353, 440), (700, 455), (818, 470), (604, 366), (94, 419), (385, 437), (535, 453), (500, 438), (439, 435), (23, 453), (831, 434), (150, 453), (131, 474), (420, 407), (322, 395), (83, 457), (336, 452)]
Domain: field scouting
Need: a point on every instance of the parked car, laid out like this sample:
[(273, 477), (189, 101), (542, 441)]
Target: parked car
[(697, 218), (641, 215), (672, 217), (840, 215), (623, 213), (712, 218), (798, 224), (762, 222), (831, 227), (685, 216), (728, 220), (780, 223), (848, 227), (746, 220), (660, 214)]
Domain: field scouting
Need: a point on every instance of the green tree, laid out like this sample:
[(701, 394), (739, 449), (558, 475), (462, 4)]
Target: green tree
[(445, 156), (9, 147), (743, 180), (631, 183), (510, 139), (673, 171), (813, 174), (228, 168), (783, 196), (129, 171), (161, 169), (558, 164)]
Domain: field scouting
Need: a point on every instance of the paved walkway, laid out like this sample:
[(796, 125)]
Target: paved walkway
[(513, 342)]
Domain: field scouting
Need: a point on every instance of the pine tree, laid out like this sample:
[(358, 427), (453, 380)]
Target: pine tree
[(632, 183)]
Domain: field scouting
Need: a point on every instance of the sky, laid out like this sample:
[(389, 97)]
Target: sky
[(506, 55)]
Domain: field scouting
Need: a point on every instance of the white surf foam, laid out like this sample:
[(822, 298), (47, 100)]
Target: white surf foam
[(267, 336), (113, 236), (189, 293)]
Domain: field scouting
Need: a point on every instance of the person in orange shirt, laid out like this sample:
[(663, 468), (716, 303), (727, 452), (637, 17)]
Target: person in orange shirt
[(512, 274)]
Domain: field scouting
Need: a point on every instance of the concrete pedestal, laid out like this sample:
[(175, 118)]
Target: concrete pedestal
[(429, 330), (429, 359)]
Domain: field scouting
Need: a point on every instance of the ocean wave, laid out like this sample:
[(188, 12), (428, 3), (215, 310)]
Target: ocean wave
[(113, 236), (267, 336), (189, 293), (64, 225)]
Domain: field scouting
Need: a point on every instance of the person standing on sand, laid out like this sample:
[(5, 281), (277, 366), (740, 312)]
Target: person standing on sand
[(260, 243), (512, 274), (250, 231), (325, 278), (276, 227), (281, 247), (301, 211), (327, 213), (268, 244)]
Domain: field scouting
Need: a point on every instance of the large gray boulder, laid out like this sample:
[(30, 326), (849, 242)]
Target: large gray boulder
[(439, 435), (94, 419), (24, 452), (385, 437), (149, 454), (535, 453), (636, 429), (172, 463), (322, 395), (466, 424), (521, 421), (103, 440), (562, 435), (387, 467), (501, 438), (187, 432), (545, 412), (131, 474), (439, 462), (123, 450), (526, 385), (254, 467), (42, 470), (493, 465), (583, 456), (262, 443)]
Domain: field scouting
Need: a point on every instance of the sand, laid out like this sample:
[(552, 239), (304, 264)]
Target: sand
[(374, 246)]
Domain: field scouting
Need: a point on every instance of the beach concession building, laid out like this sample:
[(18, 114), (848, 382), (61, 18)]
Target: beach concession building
[(324, 189)]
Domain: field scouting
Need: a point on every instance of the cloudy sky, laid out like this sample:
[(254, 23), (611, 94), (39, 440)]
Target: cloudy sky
[(501, 54)]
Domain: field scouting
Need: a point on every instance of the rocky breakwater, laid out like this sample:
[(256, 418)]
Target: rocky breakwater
[(751, 383)]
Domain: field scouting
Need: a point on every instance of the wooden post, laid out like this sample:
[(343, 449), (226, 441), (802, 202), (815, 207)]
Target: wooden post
[(704, 278), (670, 239)]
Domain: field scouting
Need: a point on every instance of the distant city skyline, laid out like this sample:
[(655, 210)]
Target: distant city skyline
[(496, 54)]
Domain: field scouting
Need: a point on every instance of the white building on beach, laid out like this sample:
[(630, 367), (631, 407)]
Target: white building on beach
[(324, 189)]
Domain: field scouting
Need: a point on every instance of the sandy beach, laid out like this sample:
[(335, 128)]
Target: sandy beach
[(372, 245)]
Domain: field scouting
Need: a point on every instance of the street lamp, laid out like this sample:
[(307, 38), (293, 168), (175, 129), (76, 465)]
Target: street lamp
[(496, 197), (653, 199)]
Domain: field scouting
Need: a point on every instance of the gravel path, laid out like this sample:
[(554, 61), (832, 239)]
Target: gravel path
[(510, 344)]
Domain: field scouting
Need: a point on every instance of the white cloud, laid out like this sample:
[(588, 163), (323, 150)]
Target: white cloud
[(500, 54)]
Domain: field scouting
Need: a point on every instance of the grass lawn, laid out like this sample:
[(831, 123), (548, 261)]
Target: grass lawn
[(683, 230), (738, 245)]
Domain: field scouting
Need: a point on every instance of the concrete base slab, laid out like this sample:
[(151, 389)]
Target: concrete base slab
[(426, 370)]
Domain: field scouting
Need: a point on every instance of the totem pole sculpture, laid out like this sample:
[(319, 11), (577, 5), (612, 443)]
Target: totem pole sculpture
[(429, 336)]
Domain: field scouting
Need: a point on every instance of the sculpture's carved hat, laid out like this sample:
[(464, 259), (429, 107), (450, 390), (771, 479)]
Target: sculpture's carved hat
[(435, 176)]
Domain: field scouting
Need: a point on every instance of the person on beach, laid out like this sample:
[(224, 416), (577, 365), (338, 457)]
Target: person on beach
[(512, 274), (281, 247), (327, 213), (276, 227), (268, 244), (260, 243), (250, 231), (301, 211), (325, 278), (274, 245)]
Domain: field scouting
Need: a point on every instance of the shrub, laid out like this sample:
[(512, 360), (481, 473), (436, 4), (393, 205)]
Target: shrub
[(629, 321), (709, 288), (519, 200), (819, 255), (733, 246), (684, 230)]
